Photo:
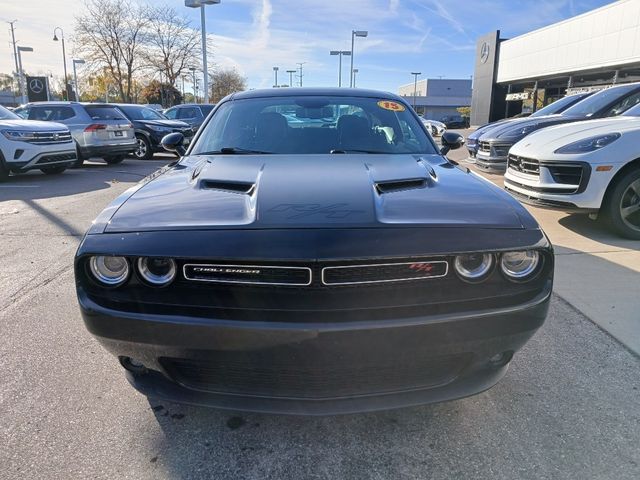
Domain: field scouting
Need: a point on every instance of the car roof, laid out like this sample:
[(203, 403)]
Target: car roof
[(193, 105), (314, 91)]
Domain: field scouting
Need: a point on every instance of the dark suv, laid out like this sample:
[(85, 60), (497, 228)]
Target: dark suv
[(150, 126), (455, 121), (191, 113)]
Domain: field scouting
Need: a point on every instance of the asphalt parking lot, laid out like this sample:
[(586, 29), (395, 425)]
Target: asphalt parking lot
[(568, 408)]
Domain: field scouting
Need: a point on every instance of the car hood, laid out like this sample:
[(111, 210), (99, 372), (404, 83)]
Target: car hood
[(488, 126), (315, 191), (32, 125), (512, 131), (165, 123), (543, 143)]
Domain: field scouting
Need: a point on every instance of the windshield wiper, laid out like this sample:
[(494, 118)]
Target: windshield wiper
[(234, 151), (351, 150)]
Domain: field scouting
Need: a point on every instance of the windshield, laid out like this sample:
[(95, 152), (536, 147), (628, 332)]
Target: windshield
[(314, 124), (104, 112), (141, 113), (559, 105), (7, 114), (633, 111), (598, 101)]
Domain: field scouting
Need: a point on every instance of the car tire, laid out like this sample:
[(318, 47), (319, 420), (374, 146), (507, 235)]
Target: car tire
[(143, 152), (622, 207), (4, 171), (80, 159), (114, 159), (58, 169)]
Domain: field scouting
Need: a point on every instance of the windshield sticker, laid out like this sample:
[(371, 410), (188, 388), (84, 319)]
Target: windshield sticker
[(393, 106)]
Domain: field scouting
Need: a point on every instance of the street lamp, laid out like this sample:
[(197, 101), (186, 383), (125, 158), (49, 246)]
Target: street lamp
[(203, 27), (22, 81), (291, 72), (415, 87), (75, 76), (65, 95), (340, 53), (355, 70), (275, 72), (354, 34)]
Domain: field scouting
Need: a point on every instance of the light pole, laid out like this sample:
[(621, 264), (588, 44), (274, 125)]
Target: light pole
[(23, 90), (193, 75), (291, 72), (355, 70), (354, 34), (340, 53), (415, 87), (65, 95), (203, 27), (75, 77), (275, 72)]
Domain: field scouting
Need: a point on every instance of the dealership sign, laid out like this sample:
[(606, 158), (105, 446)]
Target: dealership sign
[(37, 89), (513, 97)]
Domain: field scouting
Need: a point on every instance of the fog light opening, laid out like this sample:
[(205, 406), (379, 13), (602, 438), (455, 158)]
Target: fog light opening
[(132, 365), (501, 359)]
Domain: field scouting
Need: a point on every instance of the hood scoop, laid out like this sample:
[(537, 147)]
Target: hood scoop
[(228, 186), (390, 186)]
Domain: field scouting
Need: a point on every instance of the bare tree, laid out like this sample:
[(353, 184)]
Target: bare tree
[(111, 34), (173, 46), (226, 82)]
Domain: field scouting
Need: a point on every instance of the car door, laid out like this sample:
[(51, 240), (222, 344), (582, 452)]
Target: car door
[(191, 115), (172, 113)]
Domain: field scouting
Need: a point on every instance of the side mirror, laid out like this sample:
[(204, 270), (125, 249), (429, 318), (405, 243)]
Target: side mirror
[(451, 141), (174, 142)]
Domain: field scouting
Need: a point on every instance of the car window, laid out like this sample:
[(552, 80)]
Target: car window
[(135, 112), (171, 113), (104, 112), (189, 112), (22, 112), (623, 105), (315, 124), (206, 109), (598, 101), (7, 114), (49, 113)]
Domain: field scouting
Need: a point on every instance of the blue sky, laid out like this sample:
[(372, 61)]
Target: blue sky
[(435, 37)]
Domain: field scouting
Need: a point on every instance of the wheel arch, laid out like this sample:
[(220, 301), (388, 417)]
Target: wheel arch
[(628, 167)]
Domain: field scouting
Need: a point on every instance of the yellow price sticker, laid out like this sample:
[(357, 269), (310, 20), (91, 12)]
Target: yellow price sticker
[(393, 106)]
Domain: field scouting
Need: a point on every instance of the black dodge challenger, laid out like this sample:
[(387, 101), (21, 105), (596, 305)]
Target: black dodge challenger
[(313, 252)]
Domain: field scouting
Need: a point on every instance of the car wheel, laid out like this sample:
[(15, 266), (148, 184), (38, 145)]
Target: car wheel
[(80, 159), (54, 170), (4, 171), (622, 210), (115, 159), (143, 151)]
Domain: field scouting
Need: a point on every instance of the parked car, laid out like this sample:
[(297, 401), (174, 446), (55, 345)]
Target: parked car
[(28, 145), (314, 269), (434, 127), (494, 144), (192, 113), (455, 121), (98, 129), (554, 108), (590, 167), (150, 126)]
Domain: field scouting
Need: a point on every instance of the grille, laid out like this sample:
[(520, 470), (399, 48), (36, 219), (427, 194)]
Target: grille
[(567, 174), (349, 275), (524, 165), (248, 274), (61, 157), (313, 375), (484, 147), (46, 138), (187, 132)]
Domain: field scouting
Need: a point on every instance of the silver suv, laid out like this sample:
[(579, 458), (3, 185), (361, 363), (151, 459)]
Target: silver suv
[(99, 130)]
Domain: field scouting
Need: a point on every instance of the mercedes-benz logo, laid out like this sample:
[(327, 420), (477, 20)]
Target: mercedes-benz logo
[(36, 85), (484, 52)]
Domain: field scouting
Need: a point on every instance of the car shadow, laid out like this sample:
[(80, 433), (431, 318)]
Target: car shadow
[(596, 230)]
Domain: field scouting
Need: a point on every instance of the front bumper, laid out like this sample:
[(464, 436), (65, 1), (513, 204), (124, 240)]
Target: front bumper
[(108, 150), (316, 368), (41, 158)]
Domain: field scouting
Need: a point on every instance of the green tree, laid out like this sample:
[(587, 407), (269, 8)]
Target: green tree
[(161, 93)]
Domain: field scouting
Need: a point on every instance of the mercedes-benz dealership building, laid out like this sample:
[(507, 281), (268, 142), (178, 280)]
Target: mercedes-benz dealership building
[(596, 49)]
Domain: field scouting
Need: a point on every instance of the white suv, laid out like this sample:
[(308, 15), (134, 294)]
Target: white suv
[(29, 145)]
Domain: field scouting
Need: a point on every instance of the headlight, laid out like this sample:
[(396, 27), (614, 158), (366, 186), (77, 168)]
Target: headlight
[(589, 144), (520, 265), (158, 272), (473, 267), (19, 135), (111, 271)]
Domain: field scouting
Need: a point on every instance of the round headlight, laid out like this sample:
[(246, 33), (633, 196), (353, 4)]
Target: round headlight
[(520, 265), (157, 271), (473, 267), (110, 271)]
